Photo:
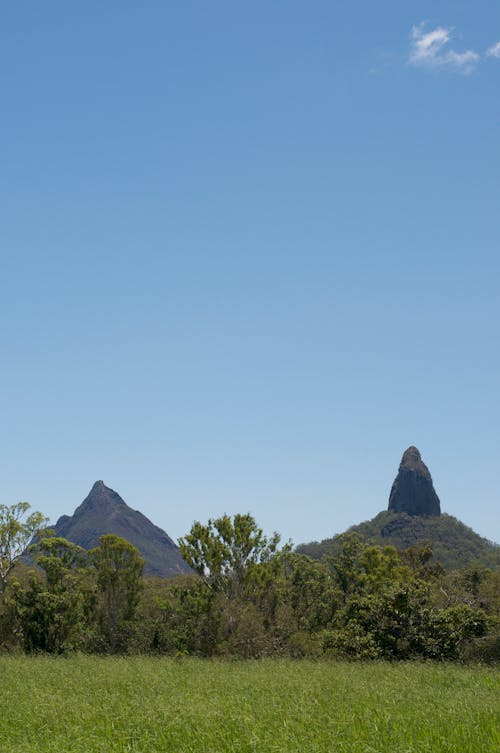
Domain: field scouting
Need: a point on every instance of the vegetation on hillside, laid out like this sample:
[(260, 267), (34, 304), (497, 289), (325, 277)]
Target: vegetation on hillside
[(453, 543)]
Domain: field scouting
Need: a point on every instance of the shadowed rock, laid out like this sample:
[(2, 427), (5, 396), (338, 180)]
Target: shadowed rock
[(104, 511), (413, 491)]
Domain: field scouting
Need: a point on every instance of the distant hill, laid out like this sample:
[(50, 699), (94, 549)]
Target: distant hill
[(414, 516), (454, 544), (104, 511)]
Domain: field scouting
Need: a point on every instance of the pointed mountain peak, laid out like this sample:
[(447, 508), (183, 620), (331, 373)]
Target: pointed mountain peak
[(412, 460), (413, 491), (101, 496), (409, 455), (104, 511)]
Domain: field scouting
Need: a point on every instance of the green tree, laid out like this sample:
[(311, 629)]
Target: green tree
[(226, 553), (55, 608), (239, 566), (59, 557), (18, 526), (451, 630), (118, 567), (173, 616), (346, 566), (312, 593), (420, 558)]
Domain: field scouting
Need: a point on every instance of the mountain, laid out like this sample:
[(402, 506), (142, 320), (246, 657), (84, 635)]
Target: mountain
[(454, 544), (413, 517), (413, 491), (104, 511)]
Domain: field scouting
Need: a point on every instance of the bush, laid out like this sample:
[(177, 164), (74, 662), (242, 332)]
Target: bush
[(301, 645), (350, 642)]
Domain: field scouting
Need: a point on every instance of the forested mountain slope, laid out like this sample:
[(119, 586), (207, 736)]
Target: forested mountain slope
[(454, 544)]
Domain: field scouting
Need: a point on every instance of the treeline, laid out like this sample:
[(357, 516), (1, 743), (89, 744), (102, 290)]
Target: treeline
[(247, 597)]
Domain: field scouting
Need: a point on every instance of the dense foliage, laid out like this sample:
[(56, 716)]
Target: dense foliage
[(454, 544), (247, 597), (17, 527)]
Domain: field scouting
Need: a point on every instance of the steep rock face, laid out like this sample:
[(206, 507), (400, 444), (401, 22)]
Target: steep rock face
[(104, 511), (413, 491)]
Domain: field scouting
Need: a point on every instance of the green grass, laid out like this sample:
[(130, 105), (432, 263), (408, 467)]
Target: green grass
[(155, 705)]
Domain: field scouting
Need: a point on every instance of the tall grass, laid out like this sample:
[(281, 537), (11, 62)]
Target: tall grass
[(155, 705)]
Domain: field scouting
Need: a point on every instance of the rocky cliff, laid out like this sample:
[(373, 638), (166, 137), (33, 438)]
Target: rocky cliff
[(413, 491)]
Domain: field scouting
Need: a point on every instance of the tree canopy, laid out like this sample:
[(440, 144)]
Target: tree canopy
[(18, 526), (225, 549), (247, 596)]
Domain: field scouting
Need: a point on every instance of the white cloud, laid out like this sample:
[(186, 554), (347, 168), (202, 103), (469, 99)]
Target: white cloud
[(494, 52), (430, 49), (427, 46)]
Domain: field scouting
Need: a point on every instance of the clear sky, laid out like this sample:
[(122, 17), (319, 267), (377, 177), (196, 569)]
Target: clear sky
[(249, 253)]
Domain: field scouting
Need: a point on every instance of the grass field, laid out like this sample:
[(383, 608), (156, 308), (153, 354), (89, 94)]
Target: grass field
[(148, 705)]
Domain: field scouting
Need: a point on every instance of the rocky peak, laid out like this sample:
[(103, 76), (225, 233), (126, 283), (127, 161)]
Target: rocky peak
[(413, 491), (100, 497), (103, 511)]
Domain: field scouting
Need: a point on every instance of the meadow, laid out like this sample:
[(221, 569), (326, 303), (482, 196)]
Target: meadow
[(159, 705)]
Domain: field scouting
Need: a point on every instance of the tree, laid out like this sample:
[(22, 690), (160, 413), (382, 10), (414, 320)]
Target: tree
[(17, 529), (238, 566), (119, 567), (59, 557), (312, 593), (55, 612), (226, 551), (346, 566)]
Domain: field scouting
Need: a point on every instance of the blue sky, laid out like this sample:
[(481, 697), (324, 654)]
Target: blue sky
[(250, 253)]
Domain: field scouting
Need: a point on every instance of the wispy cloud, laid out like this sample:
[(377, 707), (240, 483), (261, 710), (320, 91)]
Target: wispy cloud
[(431, 49), (494, 51)]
